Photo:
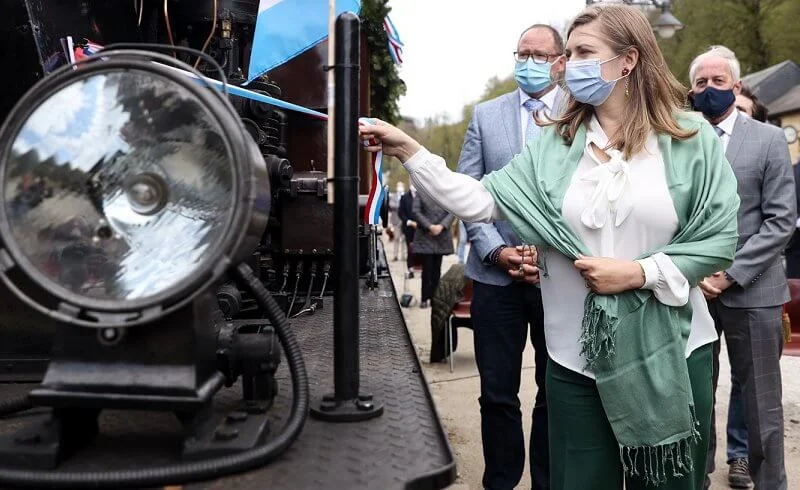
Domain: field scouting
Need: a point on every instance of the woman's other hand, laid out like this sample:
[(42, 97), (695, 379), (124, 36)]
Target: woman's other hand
[(610, 276), (393, 141)]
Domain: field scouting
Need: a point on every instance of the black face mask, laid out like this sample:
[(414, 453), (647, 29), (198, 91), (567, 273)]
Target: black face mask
[(713, 102)]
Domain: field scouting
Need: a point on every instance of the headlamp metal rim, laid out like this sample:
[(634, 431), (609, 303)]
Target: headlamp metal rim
[(138, 49), (127, 313)]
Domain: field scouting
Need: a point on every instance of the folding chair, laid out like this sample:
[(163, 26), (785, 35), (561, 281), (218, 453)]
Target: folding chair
[(460, 316)]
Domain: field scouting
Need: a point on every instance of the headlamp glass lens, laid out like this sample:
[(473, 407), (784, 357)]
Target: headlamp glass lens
[(119, 186)]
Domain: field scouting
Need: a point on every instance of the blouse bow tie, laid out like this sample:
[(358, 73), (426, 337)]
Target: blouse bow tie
[(610, 194)]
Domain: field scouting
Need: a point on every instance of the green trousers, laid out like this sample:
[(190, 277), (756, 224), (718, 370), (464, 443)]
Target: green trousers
[(584, 454)]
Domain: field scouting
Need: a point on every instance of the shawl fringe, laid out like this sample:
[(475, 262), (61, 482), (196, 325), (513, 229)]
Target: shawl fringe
[(655, 464), (598, 334)]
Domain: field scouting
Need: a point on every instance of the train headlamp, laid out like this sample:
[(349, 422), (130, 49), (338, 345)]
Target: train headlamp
[(128, 187)]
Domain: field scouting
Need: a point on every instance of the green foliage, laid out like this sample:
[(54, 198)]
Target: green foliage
[(386, 87), (779, 30), (760, 32)]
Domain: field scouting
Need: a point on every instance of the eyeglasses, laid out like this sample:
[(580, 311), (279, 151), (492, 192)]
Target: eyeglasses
[(536, 56)]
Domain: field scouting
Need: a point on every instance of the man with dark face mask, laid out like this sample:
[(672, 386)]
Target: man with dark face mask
[(506, 310), (745, 300)]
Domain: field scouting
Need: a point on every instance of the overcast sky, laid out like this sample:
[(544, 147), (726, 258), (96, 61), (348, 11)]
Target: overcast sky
[(453, 47)]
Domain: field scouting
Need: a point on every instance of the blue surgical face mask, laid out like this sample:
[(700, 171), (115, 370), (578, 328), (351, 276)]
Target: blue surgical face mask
[(532, 77), (585, 81), (713, 102)]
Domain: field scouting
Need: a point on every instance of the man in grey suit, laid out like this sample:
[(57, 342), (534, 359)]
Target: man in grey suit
[(503, 307), (745, 300)]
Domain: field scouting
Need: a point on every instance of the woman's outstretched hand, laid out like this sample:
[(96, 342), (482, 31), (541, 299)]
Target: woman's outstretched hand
[(393, 141)]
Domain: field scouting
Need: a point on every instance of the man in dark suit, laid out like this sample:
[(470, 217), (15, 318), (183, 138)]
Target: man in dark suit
[(746, 300), (407, 223)]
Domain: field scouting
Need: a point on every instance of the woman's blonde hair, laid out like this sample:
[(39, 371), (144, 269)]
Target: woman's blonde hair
[(655, 95)]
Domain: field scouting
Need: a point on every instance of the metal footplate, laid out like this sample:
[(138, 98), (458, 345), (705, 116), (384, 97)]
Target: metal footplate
[(405, 448)]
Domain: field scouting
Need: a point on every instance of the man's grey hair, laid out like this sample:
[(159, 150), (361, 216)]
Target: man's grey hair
[(717, 52)]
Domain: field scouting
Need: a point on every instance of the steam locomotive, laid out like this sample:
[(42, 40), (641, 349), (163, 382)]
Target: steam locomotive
[(163, 242)]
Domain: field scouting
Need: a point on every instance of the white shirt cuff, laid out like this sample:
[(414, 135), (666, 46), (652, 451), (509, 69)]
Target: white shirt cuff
[(670, 286), (651, 272), (417, 160)]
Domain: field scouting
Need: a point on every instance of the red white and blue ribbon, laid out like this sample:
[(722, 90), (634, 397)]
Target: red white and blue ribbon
[(395, 44), (377, 191)]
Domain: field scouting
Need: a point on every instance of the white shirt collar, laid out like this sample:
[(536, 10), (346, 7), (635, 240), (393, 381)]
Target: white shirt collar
[(596, 135), (548, 99), (727, 124)]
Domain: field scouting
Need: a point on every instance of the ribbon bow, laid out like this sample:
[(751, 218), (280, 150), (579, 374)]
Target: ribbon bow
[(610, 194)]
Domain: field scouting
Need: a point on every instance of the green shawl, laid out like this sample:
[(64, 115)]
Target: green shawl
[(634, 344)]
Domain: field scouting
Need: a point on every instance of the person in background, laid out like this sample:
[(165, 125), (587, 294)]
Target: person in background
[(395, 223), (506, 312), (747, 102), (793, 249), (631, 203), (462, 242), (405, 211), (738, 476), (746, 300), (432, 241)]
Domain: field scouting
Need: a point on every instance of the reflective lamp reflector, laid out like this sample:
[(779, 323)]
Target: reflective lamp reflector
[(120, 187)]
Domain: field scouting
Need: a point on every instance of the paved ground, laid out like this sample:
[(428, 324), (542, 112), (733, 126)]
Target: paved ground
[(456, 396)]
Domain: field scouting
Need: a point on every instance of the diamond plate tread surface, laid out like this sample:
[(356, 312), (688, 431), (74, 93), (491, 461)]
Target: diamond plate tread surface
[(404, 448)]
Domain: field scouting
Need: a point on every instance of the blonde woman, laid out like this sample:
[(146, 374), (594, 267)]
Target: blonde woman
[(631, 203)]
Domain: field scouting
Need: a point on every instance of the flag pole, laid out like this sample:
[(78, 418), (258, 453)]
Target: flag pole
[(331, 85)]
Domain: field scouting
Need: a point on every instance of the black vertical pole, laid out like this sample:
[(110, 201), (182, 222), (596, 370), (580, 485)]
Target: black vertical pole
[(347, 403), (345, 208)]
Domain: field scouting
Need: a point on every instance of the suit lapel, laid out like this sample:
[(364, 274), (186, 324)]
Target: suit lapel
[(512, 124), (737, 137)]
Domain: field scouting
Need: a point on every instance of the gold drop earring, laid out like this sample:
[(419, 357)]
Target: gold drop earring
[(627, 83)]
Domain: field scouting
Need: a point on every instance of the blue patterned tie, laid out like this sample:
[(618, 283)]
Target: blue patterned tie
[(532, 131), (719, 131)]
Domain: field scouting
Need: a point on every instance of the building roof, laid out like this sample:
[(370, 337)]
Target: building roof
[(790, 102), (773, 83)]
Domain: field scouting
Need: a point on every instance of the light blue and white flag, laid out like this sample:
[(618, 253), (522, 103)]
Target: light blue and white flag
[(287, 28)]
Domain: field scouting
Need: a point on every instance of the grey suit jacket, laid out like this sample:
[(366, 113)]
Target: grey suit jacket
[(426, 213), (493, 138), (760, 159)]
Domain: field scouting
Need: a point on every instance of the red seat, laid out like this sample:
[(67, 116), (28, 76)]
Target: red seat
[(792, 348), (460, 316)]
